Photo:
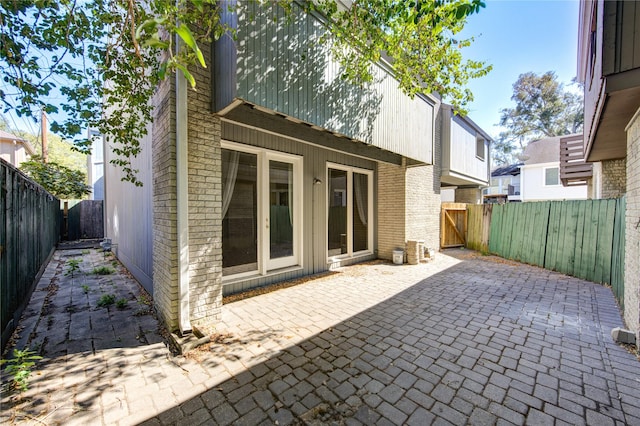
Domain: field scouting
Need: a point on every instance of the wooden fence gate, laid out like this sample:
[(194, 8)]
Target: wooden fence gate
[(453, 225)]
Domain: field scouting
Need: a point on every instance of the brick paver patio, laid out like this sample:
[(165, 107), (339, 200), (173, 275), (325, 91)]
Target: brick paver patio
[(461, 340)]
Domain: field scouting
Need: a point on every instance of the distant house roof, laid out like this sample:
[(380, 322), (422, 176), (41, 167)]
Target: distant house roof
[(10, 137), (545, 150), (510, 170)]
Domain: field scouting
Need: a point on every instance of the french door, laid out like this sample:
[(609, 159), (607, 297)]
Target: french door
[(350, 211), (262, 210)]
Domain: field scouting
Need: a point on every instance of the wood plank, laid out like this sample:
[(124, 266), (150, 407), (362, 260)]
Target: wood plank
[(579, 240)]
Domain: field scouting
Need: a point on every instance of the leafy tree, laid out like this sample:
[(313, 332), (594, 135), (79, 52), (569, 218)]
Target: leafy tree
[(70, 48), (59, 180), (544, 108)]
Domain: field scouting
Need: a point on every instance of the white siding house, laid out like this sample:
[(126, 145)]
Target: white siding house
[(540, 174), (14, 150)]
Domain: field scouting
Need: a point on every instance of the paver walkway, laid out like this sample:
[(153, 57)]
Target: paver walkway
[(462, 339)]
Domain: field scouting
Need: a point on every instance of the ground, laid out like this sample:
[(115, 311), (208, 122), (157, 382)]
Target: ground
[(461, 339)]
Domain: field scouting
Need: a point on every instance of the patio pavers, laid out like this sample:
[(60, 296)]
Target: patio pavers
[(462, 339)]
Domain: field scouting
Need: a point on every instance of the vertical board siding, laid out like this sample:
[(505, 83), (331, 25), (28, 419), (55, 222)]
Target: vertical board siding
[(282, 65), (129, 214), (583, 238), (30, 231), (314, 228), (462, 156)]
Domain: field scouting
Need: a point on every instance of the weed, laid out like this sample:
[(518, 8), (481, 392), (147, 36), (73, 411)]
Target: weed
[(19, 368), (106, 300), (73, 266), (121, 303), (86, 251), (114, 263), (85, 289), (102, 270)]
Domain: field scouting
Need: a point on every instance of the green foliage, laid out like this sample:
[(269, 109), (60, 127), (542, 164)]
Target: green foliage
[(105, 58), (85, 288), (19, 368), (121, 303), (59, 180), (102, 270), (73, 266), (543, 108), (106, 300), (418, 37)]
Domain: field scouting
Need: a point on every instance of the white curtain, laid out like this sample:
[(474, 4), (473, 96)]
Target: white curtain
[(360, 190), (231, 158)]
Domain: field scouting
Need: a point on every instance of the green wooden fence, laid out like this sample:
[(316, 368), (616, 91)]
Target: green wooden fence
[(30, 220), (580, 238)]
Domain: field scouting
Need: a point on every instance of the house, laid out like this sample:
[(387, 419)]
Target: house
[(609, 68), (95, 165), (540, 173), (465, 159), (13, 149), (274, 168), (504, 185)]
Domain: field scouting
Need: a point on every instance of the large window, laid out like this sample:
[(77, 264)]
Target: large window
[(350, 211), (262, 210)]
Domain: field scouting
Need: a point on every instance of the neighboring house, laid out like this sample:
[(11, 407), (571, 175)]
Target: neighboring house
[(504, 185), (609, 68), (95, 165), (465, 156), (14, 149), (274, 168), (540, 173)]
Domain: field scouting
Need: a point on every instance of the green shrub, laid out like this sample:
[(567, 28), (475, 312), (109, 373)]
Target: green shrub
[(106, 300), (102, 270), (19, 368)]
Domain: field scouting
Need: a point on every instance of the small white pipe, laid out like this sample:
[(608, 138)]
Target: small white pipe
[(182, 200)]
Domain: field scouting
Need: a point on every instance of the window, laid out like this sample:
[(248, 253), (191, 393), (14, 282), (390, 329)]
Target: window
[(480, 148), (261, 210), (350, 211), (551, 176)]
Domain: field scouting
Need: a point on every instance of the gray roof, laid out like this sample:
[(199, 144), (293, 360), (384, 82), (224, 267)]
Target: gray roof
[(545, 150)]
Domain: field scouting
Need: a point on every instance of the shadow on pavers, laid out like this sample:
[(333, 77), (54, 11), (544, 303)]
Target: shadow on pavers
[(481, 341), (78, 319)]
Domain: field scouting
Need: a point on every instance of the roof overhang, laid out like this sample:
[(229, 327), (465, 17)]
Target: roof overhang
[(615, 108), (264, 119)]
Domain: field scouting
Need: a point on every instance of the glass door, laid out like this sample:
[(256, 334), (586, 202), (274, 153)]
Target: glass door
[(281, 220)]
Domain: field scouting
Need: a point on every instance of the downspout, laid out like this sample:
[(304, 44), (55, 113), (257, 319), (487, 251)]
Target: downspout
[(182, 200)]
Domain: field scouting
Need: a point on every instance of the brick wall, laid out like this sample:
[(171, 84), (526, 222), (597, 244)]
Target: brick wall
[(165, 244), (614, 178), (423, 205), (391, 214), (409, 203), (632, 245), (204, 199), (469, 195)]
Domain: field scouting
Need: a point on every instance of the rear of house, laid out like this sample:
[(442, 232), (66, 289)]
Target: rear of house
[(275, 168), (609, 68)]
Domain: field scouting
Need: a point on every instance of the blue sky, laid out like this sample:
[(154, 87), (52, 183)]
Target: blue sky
[(517, 36)]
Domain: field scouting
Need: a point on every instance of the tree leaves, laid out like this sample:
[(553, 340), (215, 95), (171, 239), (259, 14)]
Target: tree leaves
[(104, 58), (543, 108), (57, 179)]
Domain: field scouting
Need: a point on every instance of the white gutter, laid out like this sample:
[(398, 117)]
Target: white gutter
[(182, 200)]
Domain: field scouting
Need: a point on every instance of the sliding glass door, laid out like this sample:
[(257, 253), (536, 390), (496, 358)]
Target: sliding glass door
[(262, 210)]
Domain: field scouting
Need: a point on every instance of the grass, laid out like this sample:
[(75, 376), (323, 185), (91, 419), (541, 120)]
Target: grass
[(106, 300), (121, 303), (102, 270)]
